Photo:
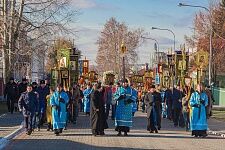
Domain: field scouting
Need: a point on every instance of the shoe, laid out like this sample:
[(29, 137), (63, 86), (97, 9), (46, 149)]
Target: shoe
[(29, 132), (48, 129), (156, 131), (102, 133), (119, 134), (60, 130), (125, 134), (151, 131), (65, 128), (57, 134), (159, 128), (204, 135)]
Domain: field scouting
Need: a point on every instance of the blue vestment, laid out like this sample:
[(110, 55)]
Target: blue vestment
[(134, 96), (59, 115), (42, 92), (87, 97), (198, 119), (124, 99)]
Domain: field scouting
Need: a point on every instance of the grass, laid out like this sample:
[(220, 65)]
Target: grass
[(219, 115), (3, 107)]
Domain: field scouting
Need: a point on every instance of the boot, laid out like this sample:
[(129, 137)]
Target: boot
[(125, 134), (56, 132), (49, 127), (60, 130), (119, 133)]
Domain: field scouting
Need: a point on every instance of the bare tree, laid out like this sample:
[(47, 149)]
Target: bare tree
[(36, 20), (202, 26), (109, 53)]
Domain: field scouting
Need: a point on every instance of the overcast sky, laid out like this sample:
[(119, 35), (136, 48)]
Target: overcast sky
[(136, 14)]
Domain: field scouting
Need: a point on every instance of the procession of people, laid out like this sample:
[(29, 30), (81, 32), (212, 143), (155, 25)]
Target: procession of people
[(57, 106)]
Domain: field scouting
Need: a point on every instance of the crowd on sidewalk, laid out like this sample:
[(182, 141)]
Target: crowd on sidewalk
[(61, 105)]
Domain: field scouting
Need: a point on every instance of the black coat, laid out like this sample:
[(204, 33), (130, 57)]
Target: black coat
[(28, 102), (148, 99), (22, 88), (98, 118), (11, 91), (157, 99), (94, 104), (102, 115)]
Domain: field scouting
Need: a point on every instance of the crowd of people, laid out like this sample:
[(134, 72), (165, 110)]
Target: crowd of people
[(41, 104), (186, 107)]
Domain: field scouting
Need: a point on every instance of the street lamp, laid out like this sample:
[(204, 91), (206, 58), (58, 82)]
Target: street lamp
[(157, 46), (157, 55), (210, 38), (123, 51), (174, 37)]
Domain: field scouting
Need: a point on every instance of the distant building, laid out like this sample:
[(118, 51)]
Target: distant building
[(38, 62)]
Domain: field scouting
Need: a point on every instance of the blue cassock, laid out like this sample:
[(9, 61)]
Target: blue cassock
[(87, 97), (59, 115), (134, 96), (124, 106), (198, 119)]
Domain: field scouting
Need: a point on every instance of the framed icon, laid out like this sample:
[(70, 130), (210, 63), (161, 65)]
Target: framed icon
[(62, 62), (65, 74), (73, 65)]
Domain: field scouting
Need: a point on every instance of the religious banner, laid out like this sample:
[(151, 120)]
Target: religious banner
[(85, 66), (80, 62), (64, 58), (73, 65), (202, 58)]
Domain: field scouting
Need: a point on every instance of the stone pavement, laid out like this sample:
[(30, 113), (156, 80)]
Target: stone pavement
[(79, 137)]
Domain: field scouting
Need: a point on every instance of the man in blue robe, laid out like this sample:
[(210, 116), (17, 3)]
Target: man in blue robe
[(58, 102), (134, 96), (123, 119), (198, 119), (87, 96)]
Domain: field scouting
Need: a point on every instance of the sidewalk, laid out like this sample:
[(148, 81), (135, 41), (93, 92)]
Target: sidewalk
[(216, 127), (10, 126), (217, 107)]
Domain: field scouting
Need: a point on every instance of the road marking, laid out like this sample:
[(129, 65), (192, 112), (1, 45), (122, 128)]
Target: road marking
[(2, 115), (5, 140)]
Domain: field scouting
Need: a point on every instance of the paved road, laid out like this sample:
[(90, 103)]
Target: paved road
[(9, 123), (79, 137)]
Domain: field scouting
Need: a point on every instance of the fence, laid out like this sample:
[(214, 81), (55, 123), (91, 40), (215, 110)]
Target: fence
[(219, 96)]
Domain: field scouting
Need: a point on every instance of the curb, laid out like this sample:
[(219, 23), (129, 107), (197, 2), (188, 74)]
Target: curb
[(5, 140), (217, 133)]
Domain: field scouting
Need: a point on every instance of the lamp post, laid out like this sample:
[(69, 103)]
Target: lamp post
[(157, 53), (123, 51), (210, 38), (174, 45), (174, 37), (157, 46)]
